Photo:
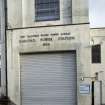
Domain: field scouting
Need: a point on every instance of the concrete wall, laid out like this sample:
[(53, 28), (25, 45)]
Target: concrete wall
[(19, 41), (2, 48), (80, 11), (98, 37), (14, 13), (21, 13)]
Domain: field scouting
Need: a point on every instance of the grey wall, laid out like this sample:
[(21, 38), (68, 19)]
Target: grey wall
[(80, 12), (2, 48), (16, 45), (21, 13), (98, 37)]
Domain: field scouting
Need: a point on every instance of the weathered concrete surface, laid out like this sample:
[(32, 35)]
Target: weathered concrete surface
[(80, 11), (80, 44), (21, 13), (2, 49), (98, 37)]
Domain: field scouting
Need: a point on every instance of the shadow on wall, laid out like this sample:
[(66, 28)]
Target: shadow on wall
[(4, 100)]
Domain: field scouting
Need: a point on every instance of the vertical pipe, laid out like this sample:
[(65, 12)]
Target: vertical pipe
[(92, 91), (101, 92)]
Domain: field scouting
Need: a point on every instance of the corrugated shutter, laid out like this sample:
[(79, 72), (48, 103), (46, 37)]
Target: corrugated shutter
[(48, 79)]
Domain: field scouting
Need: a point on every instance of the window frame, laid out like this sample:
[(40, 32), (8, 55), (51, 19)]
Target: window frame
[(96, 54), (57, 16)]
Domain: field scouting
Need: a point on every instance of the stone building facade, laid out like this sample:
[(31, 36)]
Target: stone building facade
[(2, 50), (49, 53)]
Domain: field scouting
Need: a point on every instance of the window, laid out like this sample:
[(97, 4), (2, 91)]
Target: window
[(96, 54), (47, 10)]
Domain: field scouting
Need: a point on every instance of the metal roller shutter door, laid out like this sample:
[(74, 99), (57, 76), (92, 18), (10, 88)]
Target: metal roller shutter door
[(48, 79)]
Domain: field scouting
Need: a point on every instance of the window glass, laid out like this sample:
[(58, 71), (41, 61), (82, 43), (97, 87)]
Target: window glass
[(47, 10), (96, 54)]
